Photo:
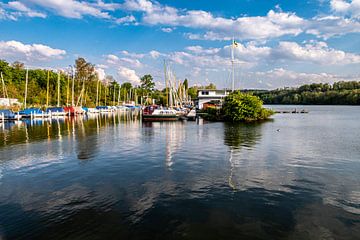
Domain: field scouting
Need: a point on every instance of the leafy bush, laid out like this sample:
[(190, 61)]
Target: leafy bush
[(244, 107)]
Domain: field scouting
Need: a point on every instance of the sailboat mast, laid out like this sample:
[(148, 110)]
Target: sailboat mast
[(26, 85), (73, 86), (6, 95), (166, 85), (67, 90), (47, 88), (119, 95), (114, 94), (97, 93), (58, 90)]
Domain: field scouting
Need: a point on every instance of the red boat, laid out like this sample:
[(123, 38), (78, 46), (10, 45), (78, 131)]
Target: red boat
[(74, 110)]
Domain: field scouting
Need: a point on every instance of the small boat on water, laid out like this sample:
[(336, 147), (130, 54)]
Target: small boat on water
[(155, 114), (55, 111), (33, 113), (191, 116), (104, 109), (74, 110), (8, 115), (121, 108), (92, 111)]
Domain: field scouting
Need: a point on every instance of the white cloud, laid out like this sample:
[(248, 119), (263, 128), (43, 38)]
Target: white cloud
[(351, 7), (201, 50), (26, 52), (128, 75), (274, 24), (112, 59), (24, 10), (329, 26), (126, 59), (315, 52), (167, 30), (126, 20), (101, 73), (73, 8), (154, 54)]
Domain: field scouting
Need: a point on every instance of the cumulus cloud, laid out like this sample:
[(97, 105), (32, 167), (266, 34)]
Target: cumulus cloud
[(101, 73), (201, 50), (274, 24), (126, 59), (25, 52), (167, 30), (73, 8), (126, 20), (112, 59), (351, 7), (154, 54), (24, 10), (315, 52), (128, 75)]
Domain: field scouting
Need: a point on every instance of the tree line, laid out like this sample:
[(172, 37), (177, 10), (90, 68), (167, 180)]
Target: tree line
[(88, 89), (338, 93)]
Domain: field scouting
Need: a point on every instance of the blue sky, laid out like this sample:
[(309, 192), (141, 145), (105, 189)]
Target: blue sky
[(281, 43)]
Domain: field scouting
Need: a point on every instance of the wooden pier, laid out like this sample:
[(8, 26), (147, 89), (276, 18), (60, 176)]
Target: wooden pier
[(295, 111)]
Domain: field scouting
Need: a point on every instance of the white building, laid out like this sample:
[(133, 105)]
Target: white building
[(208, 96), (7, 102)]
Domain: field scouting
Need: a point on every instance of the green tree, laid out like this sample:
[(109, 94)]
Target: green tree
[(147, 83), (244, 107)]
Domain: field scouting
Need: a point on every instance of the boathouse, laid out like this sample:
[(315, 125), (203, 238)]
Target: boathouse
[(207, 97)]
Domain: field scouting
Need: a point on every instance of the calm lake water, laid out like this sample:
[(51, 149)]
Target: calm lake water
[(294, 177)]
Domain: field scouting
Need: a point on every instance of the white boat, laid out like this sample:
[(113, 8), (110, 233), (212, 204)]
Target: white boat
[(191, 115), (93, 111)]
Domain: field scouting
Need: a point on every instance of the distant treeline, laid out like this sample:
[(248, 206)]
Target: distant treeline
[(339, 93)]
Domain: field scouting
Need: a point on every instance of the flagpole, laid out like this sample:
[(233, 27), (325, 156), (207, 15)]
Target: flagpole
[(232, 64)]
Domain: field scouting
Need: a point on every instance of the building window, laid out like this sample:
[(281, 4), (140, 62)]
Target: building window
[(204, 92)]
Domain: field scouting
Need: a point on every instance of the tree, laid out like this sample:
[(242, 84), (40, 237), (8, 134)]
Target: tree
[(244, 107), (186, 84), (211, 86), (126, 85), (18, 65), (192, 92), (147, 83), (84, 70)]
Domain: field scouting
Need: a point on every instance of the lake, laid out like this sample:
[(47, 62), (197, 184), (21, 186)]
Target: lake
[(296, 176)]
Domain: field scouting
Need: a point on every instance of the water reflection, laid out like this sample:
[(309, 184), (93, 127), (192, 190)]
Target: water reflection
[(114, 177), (238, 136), (27, 130)]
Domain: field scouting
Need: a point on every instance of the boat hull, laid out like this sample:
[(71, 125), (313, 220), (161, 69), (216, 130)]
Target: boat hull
[(159, 118)]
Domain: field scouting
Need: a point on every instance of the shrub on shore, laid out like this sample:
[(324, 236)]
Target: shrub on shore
[(239, 107), (244, 107)]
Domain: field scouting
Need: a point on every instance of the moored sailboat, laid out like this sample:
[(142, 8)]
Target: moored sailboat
[(153, 113)]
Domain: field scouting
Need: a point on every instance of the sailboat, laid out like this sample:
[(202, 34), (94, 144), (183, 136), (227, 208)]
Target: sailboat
[(156, 113), (55, 111), (73, 110), (31, 112)]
